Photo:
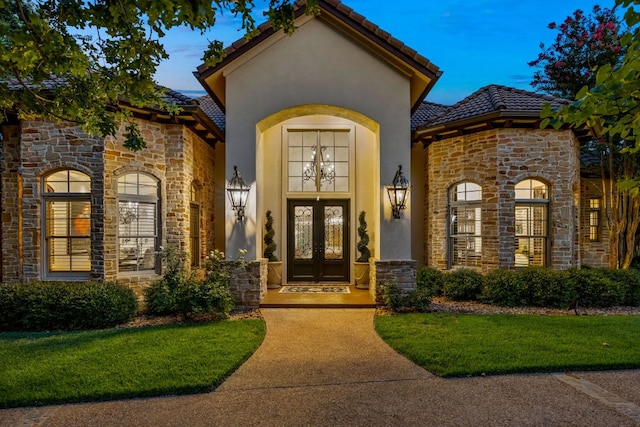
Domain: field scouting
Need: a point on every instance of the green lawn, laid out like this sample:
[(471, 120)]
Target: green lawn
[(461, 345), (45, 368)]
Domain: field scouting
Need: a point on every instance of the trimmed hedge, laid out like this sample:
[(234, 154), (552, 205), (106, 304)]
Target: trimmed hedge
[(544, 287), (430, 280), (48, 306), (463, 284)]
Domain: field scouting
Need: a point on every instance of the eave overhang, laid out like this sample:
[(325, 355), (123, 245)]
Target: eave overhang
[(421, 73), (190, 116), (500, 119)]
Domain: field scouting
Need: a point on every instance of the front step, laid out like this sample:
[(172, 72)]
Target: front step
[(357, 298)]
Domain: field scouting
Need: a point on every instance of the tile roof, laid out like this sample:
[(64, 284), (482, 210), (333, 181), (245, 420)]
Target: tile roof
[(425, 111), (212, 111), (299, 6), (492, 99), (177, 98), (53, 82)]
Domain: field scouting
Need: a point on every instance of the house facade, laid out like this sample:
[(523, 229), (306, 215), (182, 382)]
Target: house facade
[(318, 124)]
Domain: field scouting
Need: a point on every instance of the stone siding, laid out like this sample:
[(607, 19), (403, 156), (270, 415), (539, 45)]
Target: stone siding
[(174, 155), (400, 272), (593, 253), (497, 160), (11, 202), (248, 284), (46, 147)]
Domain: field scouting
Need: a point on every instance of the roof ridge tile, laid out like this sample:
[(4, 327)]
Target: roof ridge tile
[(496, 98)]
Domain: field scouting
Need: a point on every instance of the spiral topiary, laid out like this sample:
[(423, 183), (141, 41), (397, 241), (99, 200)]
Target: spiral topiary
[(363, 243), (269, 245)]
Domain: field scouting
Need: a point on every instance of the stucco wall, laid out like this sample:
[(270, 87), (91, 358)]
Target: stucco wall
[(272, 167), (317, 65), (497, 160)]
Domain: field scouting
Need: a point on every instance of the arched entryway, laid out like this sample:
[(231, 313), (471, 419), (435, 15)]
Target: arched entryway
[(317, 167)]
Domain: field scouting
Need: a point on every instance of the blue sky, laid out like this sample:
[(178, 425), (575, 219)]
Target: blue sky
[(474, 42)]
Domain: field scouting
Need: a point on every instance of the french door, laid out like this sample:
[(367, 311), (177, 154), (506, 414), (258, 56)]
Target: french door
[(318, 240)]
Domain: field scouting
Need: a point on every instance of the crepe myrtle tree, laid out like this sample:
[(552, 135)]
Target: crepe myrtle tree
[(74, 60), (583, 41), (611, 107)]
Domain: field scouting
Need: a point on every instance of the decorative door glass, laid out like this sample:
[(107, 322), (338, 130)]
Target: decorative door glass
[(333, 232), (303, 232)]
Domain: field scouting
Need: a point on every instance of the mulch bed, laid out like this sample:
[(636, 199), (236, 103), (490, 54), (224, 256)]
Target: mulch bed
[(145, 320), (438, 305), (444, 305)]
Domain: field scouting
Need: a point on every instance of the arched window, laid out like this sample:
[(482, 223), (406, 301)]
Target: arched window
[(138, 224), (465, 225), (67, 223), (194, 224), (532, 223)]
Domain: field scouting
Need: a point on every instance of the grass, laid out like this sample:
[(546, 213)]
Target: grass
[(46, 368), (464, 345)]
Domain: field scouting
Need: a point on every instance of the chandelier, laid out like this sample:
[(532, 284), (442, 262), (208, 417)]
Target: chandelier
[(319, 166)]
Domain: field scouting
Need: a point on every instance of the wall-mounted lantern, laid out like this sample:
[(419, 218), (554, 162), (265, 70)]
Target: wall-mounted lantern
[(238, 192), (398, 191)]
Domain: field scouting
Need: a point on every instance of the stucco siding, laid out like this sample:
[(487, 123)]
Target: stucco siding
[(320, 66)]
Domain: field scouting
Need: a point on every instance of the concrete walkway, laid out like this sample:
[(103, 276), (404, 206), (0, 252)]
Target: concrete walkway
[(327, 367)]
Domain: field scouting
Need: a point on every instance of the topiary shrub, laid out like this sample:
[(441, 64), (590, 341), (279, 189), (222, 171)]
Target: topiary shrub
[(46, 306), (363, 242), (504, 288), (269, 244), (430, 281), (462, 285)]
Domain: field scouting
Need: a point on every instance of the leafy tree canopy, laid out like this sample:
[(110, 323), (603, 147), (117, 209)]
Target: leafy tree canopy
[(74, 60), (611, 105), (584, 41)]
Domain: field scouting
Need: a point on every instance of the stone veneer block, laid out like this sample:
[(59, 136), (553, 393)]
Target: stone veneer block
[(400, 272), (248, 284)]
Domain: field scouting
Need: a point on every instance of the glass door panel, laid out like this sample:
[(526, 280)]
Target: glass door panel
[(318, 240)]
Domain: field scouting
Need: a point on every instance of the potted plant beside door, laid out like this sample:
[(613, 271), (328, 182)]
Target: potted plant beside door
[(274, 267), (361, 264)]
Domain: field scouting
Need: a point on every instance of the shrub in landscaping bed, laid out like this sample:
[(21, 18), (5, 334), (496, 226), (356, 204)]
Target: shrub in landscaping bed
[(402, 301), (462, 285), (182, 292), (629, 281), (595, 288), (430, 280), (546, 287), (45, 306), (504, 288)]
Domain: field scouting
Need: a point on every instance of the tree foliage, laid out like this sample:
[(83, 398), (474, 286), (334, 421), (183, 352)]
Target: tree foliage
[(611, 106), (74, 60), (584, 41)]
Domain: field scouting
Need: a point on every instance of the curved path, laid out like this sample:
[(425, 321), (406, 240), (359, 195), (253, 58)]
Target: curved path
[(328, 367)]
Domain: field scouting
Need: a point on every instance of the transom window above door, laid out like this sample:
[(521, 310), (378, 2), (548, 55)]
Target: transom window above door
[(318, 160)]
